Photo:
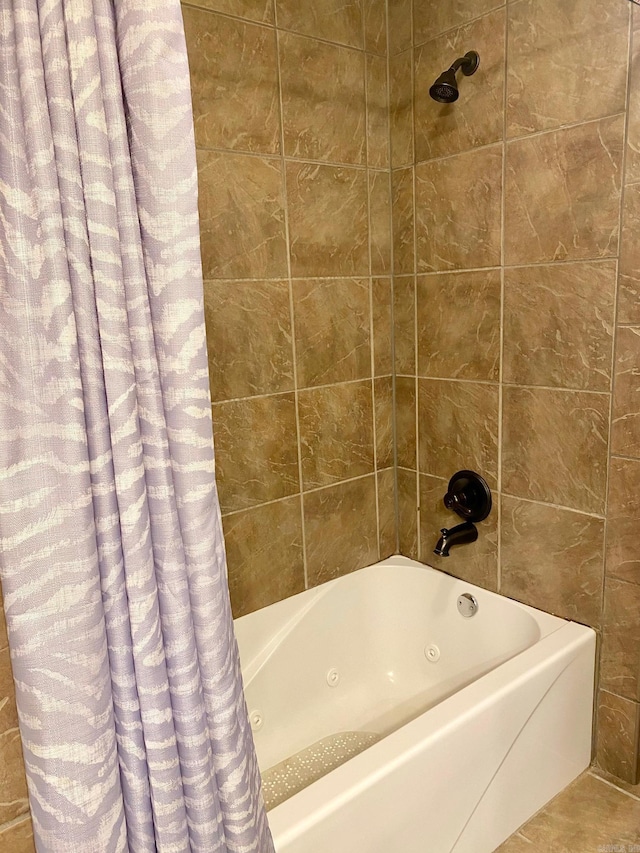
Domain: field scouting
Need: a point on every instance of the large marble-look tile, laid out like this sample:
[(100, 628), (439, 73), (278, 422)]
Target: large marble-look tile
[(234, 83), (620, 658), (552, 559), (587, 816), (248, 337), (458, 211), (380, 222), (333, 20), (387, 512), (563, 193), (242, 230), (403, 221), (382, 346), (554, 446), (477, 116), (618, 750), (406, 421), (558, 325), (459, 325), (629, 286), (256, 455), (328, 222), (13, 784), (404, 323), (623, 520), (332, 322), (336, 433), (383, 404), (341, 532), (549, 43), (399, 25), (264, 554), (408, 513), (625, 425), (432, 17), (632, 170), (323, 100), (253, 10), (476, 562), (458, 428), (401, 109), (377, 112), (375, 26), (17, 837)]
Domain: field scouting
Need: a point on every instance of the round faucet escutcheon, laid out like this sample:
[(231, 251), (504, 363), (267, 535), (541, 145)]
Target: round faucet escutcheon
[(469, 496)]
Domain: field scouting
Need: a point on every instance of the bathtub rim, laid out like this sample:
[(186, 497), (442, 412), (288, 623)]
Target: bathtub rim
[(279, 619)]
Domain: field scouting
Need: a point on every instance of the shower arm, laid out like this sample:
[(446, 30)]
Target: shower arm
[(468, 64)]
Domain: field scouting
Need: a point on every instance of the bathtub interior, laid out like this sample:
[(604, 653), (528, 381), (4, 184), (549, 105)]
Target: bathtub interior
[(333, 670)]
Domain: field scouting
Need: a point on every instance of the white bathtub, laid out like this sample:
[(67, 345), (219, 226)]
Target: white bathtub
[(471, 744)]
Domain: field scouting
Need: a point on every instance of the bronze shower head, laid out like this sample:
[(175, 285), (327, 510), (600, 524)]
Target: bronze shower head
[(445, 89)]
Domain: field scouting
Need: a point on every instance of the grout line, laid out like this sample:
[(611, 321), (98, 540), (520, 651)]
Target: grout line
[(419, 274), (303, 390), (283, 278), (494, 383), (367, 155), (291, 311), (392, 310), (627, 458), (458, 26), (288, 158), (503, 213), (563, 507), (592, 771), (416, 335), (517, 139), (567, 126), (275, 26), (463, 270), (23, 817), (614, 346), (233, 512), (444, 157)]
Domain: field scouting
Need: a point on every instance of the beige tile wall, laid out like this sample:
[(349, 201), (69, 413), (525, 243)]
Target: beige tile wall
[(291, 113), (516, 215)]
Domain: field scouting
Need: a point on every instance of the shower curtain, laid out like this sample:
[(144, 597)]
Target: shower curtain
[(132, 716)]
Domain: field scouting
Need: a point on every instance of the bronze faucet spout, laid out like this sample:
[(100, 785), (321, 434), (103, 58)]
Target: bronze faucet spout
[(459, 535)]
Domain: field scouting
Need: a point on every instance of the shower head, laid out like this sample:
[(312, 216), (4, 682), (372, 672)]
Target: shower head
[(445, 89)]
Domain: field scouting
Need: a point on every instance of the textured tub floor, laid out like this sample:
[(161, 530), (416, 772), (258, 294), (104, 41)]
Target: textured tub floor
[(290, 776), (590, 816)]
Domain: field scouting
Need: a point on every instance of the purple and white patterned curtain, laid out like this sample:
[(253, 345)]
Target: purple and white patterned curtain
[(129, 693)]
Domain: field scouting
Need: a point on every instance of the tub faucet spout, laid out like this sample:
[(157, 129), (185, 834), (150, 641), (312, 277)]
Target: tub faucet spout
[(459, 535)]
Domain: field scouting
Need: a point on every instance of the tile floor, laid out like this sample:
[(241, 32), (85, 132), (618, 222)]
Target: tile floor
[(592, 815)]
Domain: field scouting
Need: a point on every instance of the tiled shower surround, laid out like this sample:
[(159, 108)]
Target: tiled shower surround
[(516, 227), (292, 129), (515, 273), (508, 318)]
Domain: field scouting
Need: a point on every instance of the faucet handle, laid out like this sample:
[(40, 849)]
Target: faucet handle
[(469, 496)]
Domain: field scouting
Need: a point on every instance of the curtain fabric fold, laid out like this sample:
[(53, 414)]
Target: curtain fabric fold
[(129, 692)]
